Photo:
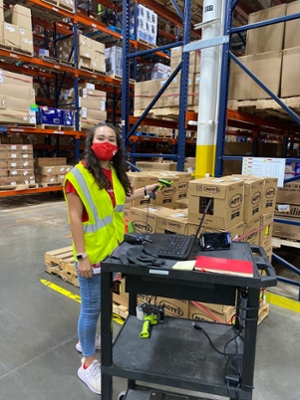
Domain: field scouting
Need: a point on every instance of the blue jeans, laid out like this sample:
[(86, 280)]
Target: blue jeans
[(89, 312)]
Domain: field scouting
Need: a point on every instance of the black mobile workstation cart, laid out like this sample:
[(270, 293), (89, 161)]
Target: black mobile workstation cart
[(178, 355)]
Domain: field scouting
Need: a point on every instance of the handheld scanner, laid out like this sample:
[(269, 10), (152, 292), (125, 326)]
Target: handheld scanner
[(164, 182)]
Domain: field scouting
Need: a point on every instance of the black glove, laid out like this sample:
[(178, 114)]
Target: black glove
[(139, 255)]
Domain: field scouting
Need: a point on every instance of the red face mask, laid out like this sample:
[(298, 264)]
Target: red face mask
[(104, 151)]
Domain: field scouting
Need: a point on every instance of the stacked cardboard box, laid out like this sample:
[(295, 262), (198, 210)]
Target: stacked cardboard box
[(113, 61), (90, 52), (17, 97), (290, 85), (16, 164), (288, 208), (92, 105), (263, 58), (17, 28), (146, 25), (67, 4), (51, 170)]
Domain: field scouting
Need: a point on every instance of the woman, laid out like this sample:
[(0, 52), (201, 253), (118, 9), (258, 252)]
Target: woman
[(96, 190)]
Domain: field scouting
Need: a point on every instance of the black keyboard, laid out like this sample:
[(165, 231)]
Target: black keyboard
[(176, 247)]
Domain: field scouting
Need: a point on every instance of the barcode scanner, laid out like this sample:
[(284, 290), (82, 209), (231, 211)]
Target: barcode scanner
[(162, 183)]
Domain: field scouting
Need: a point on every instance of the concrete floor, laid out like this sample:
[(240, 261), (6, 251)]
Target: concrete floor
[(38, 360)]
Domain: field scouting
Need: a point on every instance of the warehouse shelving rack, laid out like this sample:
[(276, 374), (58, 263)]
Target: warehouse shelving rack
[(52, 17)]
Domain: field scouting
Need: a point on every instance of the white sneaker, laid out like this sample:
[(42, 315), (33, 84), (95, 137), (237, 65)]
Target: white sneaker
[(97, 344), (91, 376)]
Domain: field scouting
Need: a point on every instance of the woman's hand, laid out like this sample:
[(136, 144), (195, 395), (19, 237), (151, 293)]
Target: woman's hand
[(85, 268), (150, 188)]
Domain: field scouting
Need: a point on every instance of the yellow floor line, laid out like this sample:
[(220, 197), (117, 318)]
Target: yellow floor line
[(74, 297), (284, 302), (62, 291)]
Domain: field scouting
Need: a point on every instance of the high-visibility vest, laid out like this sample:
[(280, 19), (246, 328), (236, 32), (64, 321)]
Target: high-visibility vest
[(104, 229)]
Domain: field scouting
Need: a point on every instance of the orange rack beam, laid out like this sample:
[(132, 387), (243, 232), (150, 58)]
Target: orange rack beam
[(7, 193), (41, 131)]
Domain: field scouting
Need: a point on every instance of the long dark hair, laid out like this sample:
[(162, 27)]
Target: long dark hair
[(118, 160)]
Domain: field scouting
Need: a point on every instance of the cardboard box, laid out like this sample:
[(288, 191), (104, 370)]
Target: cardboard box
[(238, 148), (177, 222), (1, 11), (97, 115), (11, 78), (253, 193), (173, 307), (152, 165), (268, 38), (266, 66), (144, 219), (47, 179), (266, 221), (113, 60), (98, 65), (11, 35), (26, 38), (98, 47), (121, 296), (21, 17), (194, 63), (16, 91), (285, 231), (47, 170), (290, 84), (203, 313), (183, 182), (288, 194), (292, 28), (93, 102), (227, 205), (252, 231), (3, 163), (269, 195), (49, 161), (13, 103), (63, 169)]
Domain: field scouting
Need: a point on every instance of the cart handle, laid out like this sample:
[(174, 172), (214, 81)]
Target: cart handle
[(263, 264)]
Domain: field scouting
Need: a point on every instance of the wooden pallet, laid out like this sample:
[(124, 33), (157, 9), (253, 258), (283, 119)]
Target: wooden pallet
[(145, 43), (57, 3), (15, 50), (120, 310), (93, 71), (278, 242), (57, 61), (42, 184), (56, 127), (61, 262), (266, 107), (19, 187), (263, 312)]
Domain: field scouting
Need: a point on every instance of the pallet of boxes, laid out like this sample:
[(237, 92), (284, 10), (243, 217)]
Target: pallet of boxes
[(51, 171), (243, 206), (275, 47), (288, 208), (16, 28), (17, 99), (168, 104), (16, 165)]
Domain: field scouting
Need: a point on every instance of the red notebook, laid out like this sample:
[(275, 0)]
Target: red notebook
[(224, 266)]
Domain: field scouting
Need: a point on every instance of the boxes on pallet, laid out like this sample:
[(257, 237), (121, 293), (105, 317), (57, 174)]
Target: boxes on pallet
[(50, 116), (266, 66), (144, 93), (290, 85), (292, 28), (69, 4), (17, 117), (268, 38), (160, 71), (113, 60), (227, 206), (202, 312)]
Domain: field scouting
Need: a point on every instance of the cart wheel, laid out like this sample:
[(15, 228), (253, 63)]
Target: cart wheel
[(122, 396)]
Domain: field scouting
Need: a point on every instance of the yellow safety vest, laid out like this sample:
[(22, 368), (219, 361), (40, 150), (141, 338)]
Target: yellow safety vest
[(105, 226)]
